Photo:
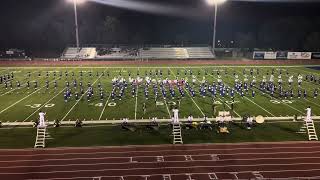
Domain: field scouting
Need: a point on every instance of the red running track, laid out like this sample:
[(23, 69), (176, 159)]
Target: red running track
[(287, 160)]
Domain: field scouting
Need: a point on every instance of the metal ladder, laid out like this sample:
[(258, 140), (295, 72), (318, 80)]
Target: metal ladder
[(311, 131), (41, 137), (176, 132)]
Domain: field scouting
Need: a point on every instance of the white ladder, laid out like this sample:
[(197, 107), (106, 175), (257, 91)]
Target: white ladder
[(311, 131), (176, 132), (41, 137)]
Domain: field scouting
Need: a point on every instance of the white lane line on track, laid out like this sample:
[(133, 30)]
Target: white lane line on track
[(129, 161), (81, 97), (189, 94), (183, 174), (162, 168), (304, 144), (168, 151)]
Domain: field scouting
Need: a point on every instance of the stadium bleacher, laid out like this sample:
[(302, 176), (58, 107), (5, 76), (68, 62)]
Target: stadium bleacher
[(139, 53), (200, 53), (84, 53), (164, 53)]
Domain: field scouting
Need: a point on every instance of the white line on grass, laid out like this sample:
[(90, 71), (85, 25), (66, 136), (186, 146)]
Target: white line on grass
[(105, 106), (313, 103), (23, 98), (44, 104), (136, 104), (252, 101), (165, 102), (222, 100), (258, 105), (284, 103), (80, 98), (189, 95), (17, 88)]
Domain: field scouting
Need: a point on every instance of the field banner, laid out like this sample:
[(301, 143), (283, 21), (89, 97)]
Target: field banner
[(294, 55), (305, 55), (270, 55), (315, 55), (9, 52), (282, 55), (258, 55), (299, 55)]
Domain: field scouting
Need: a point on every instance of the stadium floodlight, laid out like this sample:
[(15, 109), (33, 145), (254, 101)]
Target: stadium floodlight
[(75, 3), (215, 3)]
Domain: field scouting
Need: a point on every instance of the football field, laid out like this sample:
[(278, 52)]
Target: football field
[(145, 92)]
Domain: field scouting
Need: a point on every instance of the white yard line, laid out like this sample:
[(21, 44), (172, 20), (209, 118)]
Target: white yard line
[(313, 103), (260, 107), (189, 95), (136, 104), (251, 101), (165, 102), (80, 98), (105, 106), (257, 104), (23, 98), (284, 103), (17, 88), (222, 100), (44, 104)]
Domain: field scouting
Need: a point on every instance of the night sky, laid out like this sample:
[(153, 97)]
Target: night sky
[(49, 24)]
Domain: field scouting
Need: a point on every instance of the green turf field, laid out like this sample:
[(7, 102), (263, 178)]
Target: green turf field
[(23, 104)]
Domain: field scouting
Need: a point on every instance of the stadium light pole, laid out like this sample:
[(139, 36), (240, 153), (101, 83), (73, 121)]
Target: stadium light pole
[(215, 3), (75, 4)]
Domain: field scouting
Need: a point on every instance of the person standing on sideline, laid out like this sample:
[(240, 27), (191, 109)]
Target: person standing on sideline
[(41, 119), (308, 114), (175, 115)]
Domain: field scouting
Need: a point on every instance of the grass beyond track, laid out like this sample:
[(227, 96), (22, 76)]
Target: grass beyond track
[(114, 135)]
